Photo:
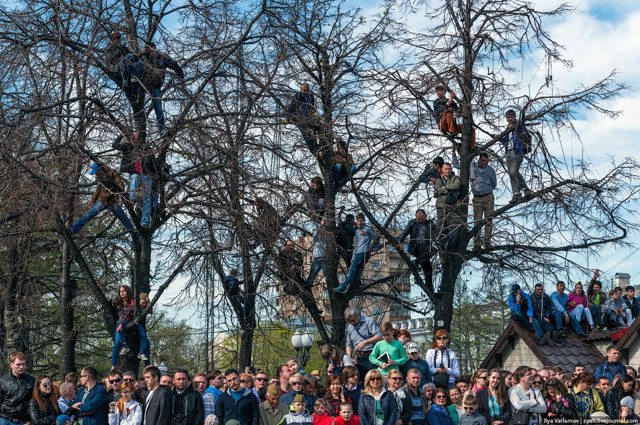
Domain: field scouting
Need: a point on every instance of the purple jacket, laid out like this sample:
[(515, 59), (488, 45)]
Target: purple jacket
[(574, 300)]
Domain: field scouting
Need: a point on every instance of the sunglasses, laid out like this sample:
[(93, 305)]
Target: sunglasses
[(375, 378), (242, 381), (129, 380), (483, 377), (469, 408), (296, 383), (442, 338), (261, 379), (126, 392), (46, 384), (397, 378), (113, 381), (538, 382)]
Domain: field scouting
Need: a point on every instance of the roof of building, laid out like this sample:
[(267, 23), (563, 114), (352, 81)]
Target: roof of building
[(565, 354)]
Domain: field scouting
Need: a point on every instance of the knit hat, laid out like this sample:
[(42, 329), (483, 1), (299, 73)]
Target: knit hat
[(514, 287), (273, 390), (62, 419), (299, 398), (627, 402)]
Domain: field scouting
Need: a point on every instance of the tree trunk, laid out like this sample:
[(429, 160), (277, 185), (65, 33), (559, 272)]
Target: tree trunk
[(443, 307), (68, 288)]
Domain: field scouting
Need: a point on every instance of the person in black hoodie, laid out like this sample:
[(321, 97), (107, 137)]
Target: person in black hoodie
[(237, 403), (344, 238), (187, 407), (420, 243), (624, 387), (542, 312), (16, 389), (43, 406)]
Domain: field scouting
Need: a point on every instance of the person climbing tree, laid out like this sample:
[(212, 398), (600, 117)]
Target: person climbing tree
[(301, 112), (232, 290)]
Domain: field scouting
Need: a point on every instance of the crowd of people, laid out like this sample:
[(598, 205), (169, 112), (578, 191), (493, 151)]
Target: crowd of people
[(548, 316), (382, 378)]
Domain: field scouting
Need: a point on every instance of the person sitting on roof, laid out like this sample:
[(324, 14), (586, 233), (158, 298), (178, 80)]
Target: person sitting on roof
[(615, 311), (522, 312)]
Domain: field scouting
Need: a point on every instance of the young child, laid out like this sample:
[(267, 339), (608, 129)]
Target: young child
[(627, 415), (615, 311), (471, 416), (320, 416), (346, 415), (298, 413)]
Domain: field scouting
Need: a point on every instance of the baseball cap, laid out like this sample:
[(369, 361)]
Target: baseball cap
[(412, 347)]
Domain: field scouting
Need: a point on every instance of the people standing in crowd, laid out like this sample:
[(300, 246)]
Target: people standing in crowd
[(537, 382), (389, 353), (560, 313), (43, 406), (493, 401), (596, 299), (377, 404), (345, 235), (415, 397), (336, 359), (462, 382), (420, 235), (394, 384), (302, 113), (404, 336), (272, 410), (362, 334), (365, 235), (347, 417), (515, 144), (283, 373), (298, 414), (187, 406), (615, 312), (297, 387), (416, 362), (523, 397), (200, 383), (319, 255), (508, 379), (126, 411), (335, 395), (522, 312), (16, 389), (91, 401), (237, 403), (429, 390), (351, 389), (438, 414), (627, 414), (623, 388), (471, 415), (157, 403), (447, 209), (67, 394), (456, 409), (585, 399), (542, 311), (443, 363), (211, 394), (482, 177), (109, 188), (479, 381), (113, 382), (320, 413), (577, 306), (555, 394)]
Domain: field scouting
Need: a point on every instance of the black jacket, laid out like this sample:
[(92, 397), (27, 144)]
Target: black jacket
[(482, 397), (245, 410), (612, 403), (154, 70), (39, 417), (541, 306), (187, 408), (413, 230), (158, 408), (345, 234), (15, 394)]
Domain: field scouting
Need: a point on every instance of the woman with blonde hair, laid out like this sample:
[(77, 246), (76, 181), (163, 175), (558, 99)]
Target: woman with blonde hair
[(125, 411), (442, 361), (377, 404)]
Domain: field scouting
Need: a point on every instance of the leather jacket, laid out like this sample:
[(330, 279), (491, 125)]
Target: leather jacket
[(187, 408), (40, 417), (15, 394)]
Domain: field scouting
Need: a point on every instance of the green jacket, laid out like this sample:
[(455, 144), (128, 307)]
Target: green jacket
[(443, 186)]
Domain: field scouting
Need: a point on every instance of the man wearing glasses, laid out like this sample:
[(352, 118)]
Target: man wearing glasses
[(140, 392), (91, 400), (297, 387), (113, 388)]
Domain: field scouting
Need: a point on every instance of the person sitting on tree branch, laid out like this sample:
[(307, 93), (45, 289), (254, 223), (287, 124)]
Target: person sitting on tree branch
[(445, 112), (124, 303), (342, 161)]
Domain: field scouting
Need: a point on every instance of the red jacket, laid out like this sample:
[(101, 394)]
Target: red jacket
[(322, 420), (355, 420)]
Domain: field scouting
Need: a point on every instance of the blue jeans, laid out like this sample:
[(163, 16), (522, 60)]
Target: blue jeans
[(558, 316), (145, 344), (141, 186), (338, 170), (358, 261), (514, 161), (316, 265), (96, 209), (532, 326), (156, 101), (546, 327), (4, 421)]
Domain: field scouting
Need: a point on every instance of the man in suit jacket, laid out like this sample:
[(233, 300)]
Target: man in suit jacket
[(157, 404)]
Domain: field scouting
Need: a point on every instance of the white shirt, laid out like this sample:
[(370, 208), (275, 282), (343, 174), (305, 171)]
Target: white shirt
[(134, 417)]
